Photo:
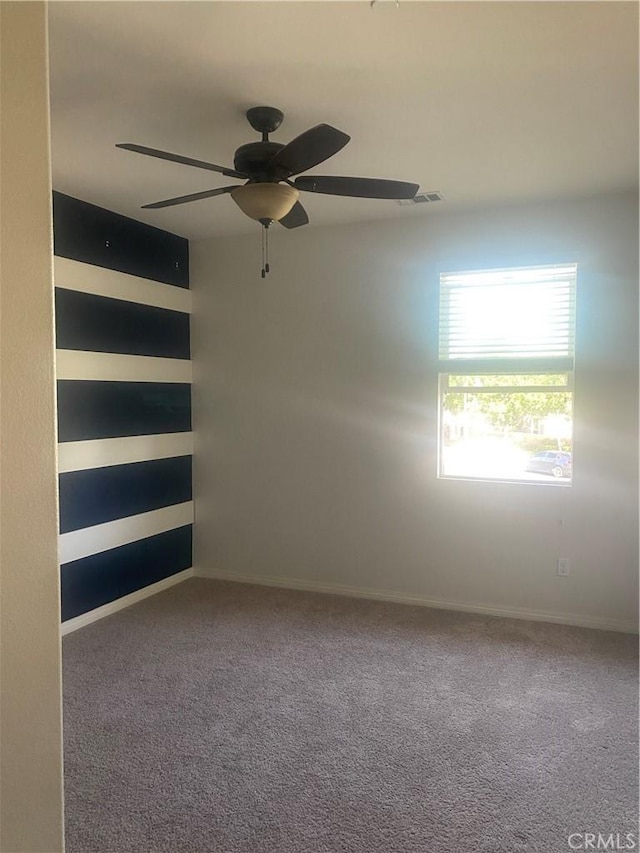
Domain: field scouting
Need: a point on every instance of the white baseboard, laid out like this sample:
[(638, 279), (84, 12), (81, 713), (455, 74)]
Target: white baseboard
[(440, 604), (126, 601)]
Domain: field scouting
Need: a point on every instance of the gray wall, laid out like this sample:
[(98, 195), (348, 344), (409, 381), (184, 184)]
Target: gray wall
[(316, 404)]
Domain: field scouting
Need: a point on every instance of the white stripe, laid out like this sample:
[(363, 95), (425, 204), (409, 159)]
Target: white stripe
[(101, 537), (78, 364), (74, 275), (99, 453), (120, 603)]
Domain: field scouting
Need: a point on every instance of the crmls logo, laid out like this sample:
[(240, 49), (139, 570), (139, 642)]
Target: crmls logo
[(593, 841)]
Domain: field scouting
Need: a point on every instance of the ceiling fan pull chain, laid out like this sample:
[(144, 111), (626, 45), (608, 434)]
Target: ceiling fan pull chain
[(266, 248)]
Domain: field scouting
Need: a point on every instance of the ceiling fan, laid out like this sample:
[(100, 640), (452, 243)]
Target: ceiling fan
[(269, 194)]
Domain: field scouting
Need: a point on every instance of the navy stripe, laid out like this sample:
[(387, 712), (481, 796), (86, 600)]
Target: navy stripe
[(93, 235), (98, 495), (101, 578), (93, 323), (90, 409)]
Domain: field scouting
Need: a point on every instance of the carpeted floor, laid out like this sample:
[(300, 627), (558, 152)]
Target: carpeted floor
[(223, 718)]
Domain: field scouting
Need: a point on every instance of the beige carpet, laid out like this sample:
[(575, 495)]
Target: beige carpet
[(223, 718)]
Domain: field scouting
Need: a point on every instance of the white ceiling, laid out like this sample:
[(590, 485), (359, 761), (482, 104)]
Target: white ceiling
[(486, 102)]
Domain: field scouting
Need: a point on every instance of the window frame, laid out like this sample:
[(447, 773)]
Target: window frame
[(508, 365)]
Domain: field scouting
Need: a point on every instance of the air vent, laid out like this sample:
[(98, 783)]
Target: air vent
[(423, 198)]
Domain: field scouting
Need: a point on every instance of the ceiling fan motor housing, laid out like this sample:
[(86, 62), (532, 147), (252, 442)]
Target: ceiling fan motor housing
[(265, 119), (253, 159)]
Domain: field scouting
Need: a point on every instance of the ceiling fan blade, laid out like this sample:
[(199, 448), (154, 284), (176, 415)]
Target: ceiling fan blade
[(182, 199), (178, 158), (296, 217), (356, 187), (307, 150)]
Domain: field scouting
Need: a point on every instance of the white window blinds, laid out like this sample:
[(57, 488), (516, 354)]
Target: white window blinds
[(490, 318)]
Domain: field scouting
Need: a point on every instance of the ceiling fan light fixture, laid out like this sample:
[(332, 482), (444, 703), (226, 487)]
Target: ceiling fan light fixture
[(265, 201)]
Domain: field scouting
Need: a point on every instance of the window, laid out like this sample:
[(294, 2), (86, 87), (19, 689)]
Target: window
[(506, 374)]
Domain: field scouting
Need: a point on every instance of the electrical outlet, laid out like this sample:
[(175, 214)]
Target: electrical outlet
[(564, 567)]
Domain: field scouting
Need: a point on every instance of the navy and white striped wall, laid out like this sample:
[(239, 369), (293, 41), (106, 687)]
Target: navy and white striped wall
[(124, 408)]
